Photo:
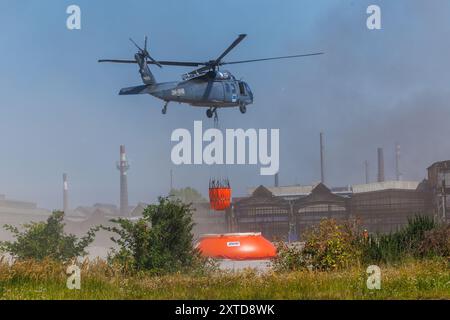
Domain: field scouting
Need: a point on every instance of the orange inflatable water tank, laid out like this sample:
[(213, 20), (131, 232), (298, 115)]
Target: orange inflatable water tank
[(236, 246)]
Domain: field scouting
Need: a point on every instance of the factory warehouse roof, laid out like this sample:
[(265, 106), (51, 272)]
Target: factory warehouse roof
[(385, 185), (297, 190)]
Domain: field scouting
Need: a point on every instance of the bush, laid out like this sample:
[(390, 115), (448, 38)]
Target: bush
[(46, 240), (161, 241), (436, 242), (332, 246), (289, 258), (327, 246), (393, 247)]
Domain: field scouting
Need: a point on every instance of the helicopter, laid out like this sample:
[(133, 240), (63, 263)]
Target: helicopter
[(207, 86)]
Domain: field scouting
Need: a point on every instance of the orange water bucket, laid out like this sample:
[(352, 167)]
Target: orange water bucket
[(236, 246), (220, 198)]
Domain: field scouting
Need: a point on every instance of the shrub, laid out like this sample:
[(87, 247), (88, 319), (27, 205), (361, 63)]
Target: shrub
[(393, 247), (332, 246), (161, 241), (436, 242), (289, 258), (46, 240), (327, 246)]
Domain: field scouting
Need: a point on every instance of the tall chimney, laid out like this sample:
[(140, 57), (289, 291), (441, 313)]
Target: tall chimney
[(380, 165), (322, 174), (123, 167), (398, 173), (276, 180), (366, 169), (65, 194)]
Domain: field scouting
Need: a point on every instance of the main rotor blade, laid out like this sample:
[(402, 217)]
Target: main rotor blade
[(180, 63), (117, 61), (231, 47), (135, 44), (274, 58), (153, 61), (164, 63)]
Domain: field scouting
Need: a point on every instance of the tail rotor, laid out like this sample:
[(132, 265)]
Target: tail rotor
[(144, 52)]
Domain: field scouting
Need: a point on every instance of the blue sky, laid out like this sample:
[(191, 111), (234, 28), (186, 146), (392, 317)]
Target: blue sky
[(61, 112)]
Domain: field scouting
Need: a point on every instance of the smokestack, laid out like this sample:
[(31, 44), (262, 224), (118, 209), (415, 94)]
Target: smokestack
[(322, 174), (366, 168), (123, 167), (65, 194), (398, 174), (380, 165), (276, 180)]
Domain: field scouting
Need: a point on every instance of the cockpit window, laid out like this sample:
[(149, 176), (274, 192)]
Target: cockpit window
[(233, 88), (225, 75), (242, 89), (247, 88)]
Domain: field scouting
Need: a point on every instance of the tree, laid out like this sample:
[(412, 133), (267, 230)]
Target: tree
[(161, 241), (187, 195), (44, 240)]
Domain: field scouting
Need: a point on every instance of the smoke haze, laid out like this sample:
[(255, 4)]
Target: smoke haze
[(61, 112)]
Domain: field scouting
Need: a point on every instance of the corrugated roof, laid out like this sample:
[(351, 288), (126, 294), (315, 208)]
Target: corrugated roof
[(286, 191), (386, 185)]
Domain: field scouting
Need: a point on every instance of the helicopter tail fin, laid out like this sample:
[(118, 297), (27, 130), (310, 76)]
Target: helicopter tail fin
[(147, 76)]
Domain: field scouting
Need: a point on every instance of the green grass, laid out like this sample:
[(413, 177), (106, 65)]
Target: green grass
[(428, 279)]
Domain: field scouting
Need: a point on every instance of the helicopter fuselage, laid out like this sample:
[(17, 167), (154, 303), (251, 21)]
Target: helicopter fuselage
[(216, 93)]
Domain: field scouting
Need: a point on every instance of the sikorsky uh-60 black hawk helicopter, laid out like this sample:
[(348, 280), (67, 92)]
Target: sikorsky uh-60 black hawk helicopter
[(207, 86)]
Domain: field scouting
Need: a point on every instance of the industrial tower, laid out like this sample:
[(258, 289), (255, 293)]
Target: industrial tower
[(322, 160), (123, 167), (65, 194), (398, 173), (380, 165)]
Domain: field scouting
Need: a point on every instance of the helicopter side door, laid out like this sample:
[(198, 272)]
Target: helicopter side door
[(230, 90), (203, 92)]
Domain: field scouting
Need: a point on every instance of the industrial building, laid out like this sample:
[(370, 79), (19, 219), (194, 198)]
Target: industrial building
[(15, 212), (380, 207)]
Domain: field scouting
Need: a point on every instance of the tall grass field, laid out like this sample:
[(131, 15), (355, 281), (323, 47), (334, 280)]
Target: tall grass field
[(426, 279)]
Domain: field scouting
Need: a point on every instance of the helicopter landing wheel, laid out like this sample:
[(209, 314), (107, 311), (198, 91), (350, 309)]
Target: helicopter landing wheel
[(209, 113), (243, 109)]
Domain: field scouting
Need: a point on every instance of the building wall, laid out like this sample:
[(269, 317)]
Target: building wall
[(207, 220), (439, 184), (389, 210), (310, 216), (381, 211)]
